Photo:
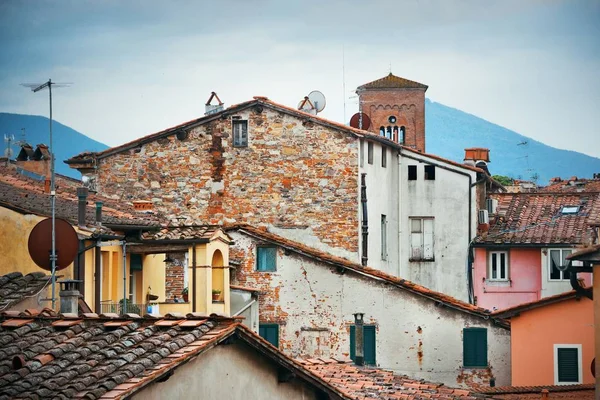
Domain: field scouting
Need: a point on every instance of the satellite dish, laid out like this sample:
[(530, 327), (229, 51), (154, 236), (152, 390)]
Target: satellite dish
[(40, 244), (360, 121), (317, 99)]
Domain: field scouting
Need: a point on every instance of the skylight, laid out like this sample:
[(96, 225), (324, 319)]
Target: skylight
[(569, 210)]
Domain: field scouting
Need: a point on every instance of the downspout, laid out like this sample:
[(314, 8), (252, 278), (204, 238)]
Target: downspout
[(194, 278), (469, 244), (97, 277), (365, 220)]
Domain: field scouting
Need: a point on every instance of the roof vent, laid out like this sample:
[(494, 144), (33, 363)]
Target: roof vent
[(142, 206)]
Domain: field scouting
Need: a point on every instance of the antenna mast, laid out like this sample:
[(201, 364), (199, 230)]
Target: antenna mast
[(344, 78)]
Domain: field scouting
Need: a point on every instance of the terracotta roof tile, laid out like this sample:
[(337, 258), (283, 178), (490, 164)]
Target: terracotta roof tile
[(365, 271), (555, 392), (182, 233), (392, 82), (15, 287), (537, 218), (512, 311)]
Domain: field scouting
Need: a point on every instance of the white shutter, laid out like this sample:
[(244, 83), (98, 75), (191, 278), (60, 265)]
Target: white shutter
[(428, 239), (416, 246)]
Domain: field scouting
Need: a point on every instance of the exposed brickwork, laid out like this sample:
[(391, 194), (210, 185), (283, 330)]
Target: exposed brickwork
[(293, 174), (174, 271), (407, 105)]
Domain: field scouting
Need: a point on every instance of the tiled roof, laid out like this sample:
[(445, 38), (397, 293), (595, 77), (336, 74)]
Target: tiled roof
[(585, 253), (263, 101), (68, 356), (579, 392), (392, 82), (375, 383), (370, 273), (512, 311), (204, 232), (536, 218), (27, 195), (573, 185), (15, 287)]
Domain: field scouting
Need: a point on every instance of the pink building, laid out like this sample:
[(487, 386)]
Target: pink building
[(520, 257)]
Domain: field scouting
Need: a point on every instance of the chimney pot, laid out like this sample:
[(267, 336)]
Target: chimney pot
[(359, 357), (69, 296), (82, 194), (476, 154), (99, 213)]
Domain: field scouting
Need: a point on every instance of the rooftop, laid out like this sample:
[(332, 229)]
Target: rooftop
[(16, 287), (542, 218), (392, 82), (572, 392), (515, 310)]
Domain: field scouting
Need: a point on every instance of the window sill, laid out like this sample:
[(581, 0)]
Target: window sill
[(421, 260), (497, 282), (475, 367), (218, 302)]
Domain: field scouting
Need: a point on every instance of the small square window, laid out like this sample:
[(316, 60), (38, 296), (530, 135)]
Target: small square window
[(383, 156), (370, 152), (266, 259), (240, 133), (269, 332), (412, 172), (498, 266), (569, 210), (430, 172)]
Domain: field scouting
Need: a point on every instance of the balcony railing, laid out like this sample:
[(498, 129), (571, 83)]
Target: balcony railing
[(109, 306)]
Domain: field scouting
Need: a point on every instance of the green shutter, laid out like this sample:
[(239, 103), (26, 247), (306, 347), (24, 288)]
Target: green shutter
[(266, 258), (475, 348), (135, 262), (269, 332), (369, 344), (568, 365)]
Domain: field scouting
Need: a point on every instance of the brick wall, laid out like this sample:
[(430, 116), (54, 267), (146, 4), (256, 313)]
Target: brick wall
[(174, 271), (293, 174), (407, 105)]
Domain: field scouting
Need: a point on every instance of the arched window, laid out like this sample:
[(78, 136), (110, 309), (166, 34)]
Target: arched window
[(402, 135), (218, 275), (381, 131), (395, 136), (389, 132)]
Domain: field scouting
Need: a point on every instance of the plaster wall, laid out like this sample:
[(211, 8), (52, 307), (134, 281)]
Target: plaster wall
[(227, 372), (524, 283), (535, 332), (314, 306)]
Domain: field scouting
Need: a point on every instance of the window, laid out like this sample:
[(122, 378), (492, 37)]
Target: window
[(558, 257), (369, 346), (412, 172), (402, 135), (370, 152), (569, 210), (498, 266), (421, 239), (383, 156), (383, 237), (475, 348), (430, 172), (388, 132), (266, 259), (567, 364), (240, 133), (381, 131), (269, 332)]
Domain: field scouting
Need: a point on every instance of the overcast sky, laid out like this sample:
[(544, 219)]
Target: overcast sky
[(142, 66)]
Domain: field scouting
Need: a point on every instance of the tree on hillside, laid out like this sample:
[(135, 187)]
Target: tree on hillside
[(503, 180)]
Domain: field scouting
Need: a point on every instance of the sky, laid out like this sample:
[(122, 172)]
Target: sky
[(140, 66)]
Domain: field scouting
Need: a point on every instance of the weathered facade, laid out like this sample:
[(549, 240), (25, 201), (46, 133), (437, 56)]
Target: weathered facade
[(309, 298)]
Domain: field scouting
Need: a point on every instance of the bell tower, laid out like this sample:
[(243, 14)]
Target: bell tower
[(396, 107)]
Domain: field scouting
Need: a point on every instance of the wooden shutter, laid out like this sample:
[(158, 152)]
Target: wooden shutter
[(568, 365), (416, 236), (475, 348), (266, 258), (269, 332), (369, 344), (428, 239)]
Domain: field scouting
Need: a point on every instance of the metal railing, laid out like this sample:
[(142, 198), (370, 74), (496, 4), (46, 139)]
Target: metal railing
[(108, 306)]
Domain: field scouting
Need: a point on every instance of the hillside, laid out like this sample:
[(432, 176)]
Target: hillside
[(450, 131), (67, 142)]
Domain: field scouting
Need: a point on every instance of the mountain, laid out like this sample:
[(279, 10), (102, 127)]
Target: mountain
[(449, 131), (67, 142)]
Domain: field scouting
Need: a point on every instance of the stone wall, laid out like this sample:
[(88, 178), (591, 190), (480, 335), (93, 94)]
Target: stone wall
[(294, 174), (174, 279)]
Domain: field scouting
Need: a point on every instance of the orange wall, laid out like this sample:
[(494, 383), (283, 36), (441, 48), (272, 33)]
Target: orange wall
[(534, 334)]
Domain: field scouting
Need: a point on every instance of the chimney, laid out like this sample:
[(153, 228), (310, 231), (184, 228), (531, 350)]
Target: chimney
[(98, 213), (82, 194), (544, 394), (474, 155), (359, 357), (69, 296)]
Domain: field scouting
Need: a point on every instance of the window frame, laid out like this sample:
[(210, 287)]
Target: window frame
[(265, 246), (412, 173), (507, 266), (475, 365), (241, 122), (370, 152), (429, 172), (562, 257), (421, 232), (269, 325), (579, 363), (383, 157)]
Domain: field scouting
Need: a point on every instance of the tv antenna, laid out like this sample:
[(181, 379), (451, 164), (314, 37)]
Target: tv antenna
[(35, 87), (8, 139), (313, 104)]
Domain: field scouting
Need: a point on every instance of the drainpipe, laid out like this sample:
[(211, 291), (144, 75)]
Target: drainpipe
[(124, 277), (471, 184), (194, 278), (359, 357), (365, 219), (97, 277)]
